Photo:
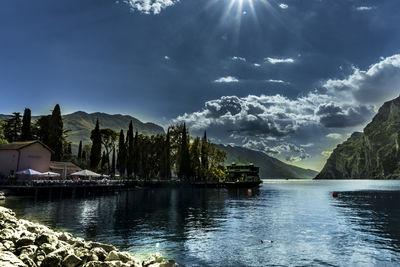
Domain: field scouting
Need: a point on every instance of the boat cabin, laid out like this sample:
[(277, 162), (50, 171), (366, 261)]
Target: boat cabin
[(242, 173)]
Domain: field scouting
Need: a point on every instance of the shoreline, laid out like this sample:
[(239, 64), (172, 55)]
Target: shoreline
[(25, 243)]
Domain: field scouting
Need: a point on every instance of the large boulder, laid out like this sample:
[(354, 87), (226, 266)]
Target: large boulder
[(51, 261), (118, 256), (46, 238), (24, 241), (106, 247), (71, 261), (152, 259), (8, 259)]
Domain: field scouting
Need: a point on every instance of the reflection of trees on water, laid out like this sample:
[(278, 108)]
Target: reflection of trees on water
[(374, 212)]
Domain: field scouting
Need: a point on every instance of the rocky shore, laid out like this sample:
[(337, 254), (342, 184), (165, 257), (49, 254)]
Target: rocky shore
[(24, 243)]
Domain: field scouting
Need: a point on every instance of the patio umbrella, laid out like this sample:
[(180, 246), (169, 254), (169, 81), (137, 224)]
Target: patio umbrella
[(49, 174), (29, 172), (85, 173)]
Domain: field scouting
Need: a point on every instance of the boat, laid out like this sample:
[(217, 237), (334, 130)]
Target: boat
[(242, 175)]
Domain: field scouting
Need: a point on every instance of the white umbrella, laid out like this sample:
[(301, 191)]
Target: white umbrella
[(50, 174), (29, 172), (85, 173)]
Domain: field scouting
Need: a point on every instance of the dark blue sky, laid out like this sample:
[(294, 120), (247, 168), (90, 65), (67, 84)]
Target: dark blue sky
[(331, 62)]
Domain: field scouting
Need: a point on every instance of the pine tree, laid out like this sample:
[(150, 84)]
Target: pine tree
[(80, 150), (12, 128), (26, 129), (95, 152), (195, 148), (56, 133), (44, 128), (121, 164), (130, 151), (136, 155), (167, 153), (113, 162)]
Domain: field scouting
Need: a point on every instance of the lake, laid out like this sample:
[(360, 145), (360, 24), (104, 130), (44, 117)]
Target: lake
[(282, 223)]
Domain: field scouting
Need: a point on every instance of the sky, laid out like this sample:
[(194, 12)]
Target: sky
[(290, 78)]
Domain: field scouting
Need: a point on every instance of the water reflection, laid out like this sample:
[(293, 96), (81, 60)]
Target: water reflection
[(375, 215)]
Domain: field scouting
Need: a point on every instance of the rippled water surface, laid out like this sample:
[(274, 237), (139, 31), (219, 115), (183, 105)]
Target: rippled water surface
[(282, 223)]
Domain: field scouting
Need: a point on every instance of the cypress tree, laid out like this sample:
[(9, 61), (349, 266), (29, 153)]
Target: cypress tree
[(12, 128), (83, 155), (26, 129), (56, 133), (136, 155), (130, 151), (121, 164), (167, 155), (184, 166), (113, 162), (95, 152), (80, 150), (204, 154)]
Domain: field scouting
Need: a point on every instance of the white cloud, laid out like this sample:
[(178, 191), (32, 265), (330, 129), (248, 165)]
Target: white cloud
[(365, 8), (279, 60), (336, 136), (256, 65), (276, 81), (379, 83), (150, 6), (283, 6), (166, 58), (307, 145), (239, 58), (227, 79)]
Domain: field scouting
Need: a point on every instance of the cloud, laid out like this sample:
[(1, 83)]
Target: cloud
[(334, 116), (283, 6), (227, 79), (279, 60), (307, 145), (365, 8), (239, 58), (336, 136), (150, 6), (380, 82), (166, 58), (326, 153), (256, 65), (275, 81)]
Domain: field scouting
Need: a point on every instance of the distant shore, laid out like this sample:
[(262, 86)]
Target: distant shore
[(24, 243)]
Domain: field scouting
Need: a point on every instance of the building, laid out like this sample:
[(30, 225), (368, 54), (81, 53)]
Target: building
[(18, 156), (242, 173), (63, 168)]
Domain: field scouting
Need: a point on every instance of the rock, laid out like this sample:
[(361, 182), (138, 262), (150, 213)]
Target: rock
[(71, 261), (6, 234), (100, 253), (8, 259), (47, 248), (156, 258), (27, 250), (51, 261), (24, 241), (9, 245), (46, 238), (96, 264), (27, 260), (106, 247), (118, 256), (64, 236), (169, 263)]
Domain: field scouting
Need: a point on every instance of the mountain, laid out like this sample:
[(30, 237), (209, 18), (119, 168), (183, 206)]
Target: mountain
[(270, 168), (80, 124), (373, 154)]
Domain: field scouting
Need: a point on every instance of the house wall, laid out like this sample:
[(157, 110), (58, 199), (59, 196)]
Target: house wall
[(34, 157), (8, 161)]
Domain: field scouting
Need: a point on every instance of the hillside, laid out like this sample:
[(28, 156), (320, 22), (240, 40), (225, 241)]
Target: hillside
[(80, 124), (270, 168), (373, 154)]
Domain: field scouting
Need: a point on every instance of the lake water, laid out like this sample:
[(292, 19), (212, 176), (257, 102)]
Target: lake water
[(296, 223)]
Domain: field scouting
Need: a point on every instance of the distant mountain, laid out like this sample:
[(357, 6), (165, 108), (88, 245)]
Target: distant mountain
[(270, 168), (373, 154), (80, 124)]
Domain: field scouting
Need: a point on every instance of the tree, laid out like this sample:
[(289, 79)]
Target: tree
[(165, 168), (3, 139), (136, 155), (108, 139), (43, 133), (130, 150), (80, 150), (26, 129), (121, 161), (204, 155), (95, 152), (184, 156), (56, 133), (12, 127), (105, 163), (113, 162), (195, 167)]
